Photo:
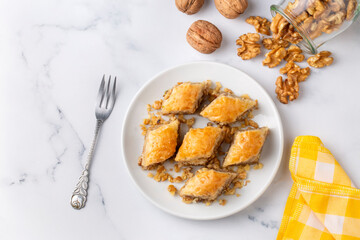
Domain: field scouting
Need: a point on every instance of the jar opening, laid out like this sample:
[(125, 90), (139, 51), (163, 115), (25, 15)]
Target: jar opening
[(307, 44)]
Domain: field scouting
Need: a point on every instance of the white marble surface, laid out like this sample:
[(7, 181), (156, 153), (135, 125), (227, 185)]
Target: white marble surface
[(52, 55)]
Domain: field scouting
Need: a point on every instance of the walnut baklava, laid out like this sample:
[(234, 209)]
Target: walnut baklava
[(199, 145), (206, 185), (160, 144), (226, 108), (184, 98)]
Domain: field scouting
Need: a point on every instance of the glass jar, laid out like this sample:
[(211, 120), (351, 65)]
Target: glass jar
[(316, 21)]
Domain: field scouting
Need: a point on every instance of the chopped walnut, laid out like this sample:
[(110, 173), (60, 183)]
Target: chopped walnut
[(294, 72), (246, 182), (270, 43), (274, 57), (157, 104), (262, 25), (172, 189), (190, 122), (258, 166), (238, 184), (321, 59), (214, 163), (187, 173), (222, 202), (177, 168), (286, 90), (150, 175), (294, 54), (230, 191), (253, 124), (249, 46), (187, 200)]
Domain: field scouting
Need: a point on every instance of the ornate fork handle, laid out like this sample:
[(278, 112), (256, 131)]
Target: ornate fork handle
[(78, 198)]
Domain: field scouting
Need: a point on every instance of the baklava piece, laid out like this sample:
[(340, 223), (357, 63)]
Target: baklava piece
[(200, 145), (246, 147), (160, 144), (206, 185), (227, 108), (184, 98)]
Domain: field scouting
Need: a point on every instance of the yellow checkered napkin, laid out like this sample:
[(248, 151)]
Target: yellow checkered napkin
[(323, 203)]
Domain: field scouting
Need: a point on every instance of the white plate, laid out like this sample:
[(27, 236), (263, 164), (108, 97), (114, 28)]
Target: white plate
[(240, 83)]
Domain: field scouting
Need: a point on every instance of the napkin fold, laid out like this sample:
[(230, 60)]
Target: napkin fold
[(323, 202)]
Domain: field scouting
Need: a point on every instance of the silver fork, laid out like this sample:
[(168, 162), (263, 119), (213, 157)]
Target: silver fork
[(104, 106)]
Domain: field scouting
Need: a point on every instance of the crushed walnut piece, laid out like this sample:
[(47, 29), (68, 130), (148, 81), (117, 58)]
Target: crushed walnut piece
[(161, 174), (157, 104), (214, 163), (262, 25), (150, 175), (286, 90), (270, 43), (186, 174), (222, 202), (249, 46), (172, 189), (321, 59), (258, 166), (177, 168), (294, 53), (274, 57)]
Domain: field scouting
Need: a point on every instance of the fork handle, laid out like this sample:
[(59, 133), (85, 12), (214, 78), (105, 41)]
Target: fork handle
[(78, 198)]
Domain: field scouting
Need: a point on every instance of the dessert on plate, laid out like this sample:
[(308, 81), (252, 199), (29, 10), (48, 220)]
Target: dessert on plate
[(206, 185), (160, 144), (228, 108), (246, 147), (199, 145), (184, 98)]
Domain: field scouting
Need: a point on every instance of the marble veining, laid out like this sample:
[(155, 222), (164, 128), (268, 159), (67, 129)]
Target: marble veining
[(52, 57)]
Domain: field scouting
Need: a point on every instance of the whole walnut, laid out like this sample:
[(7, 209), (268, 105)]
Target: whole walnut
[(204, 36), (231, 8), (189, 6)]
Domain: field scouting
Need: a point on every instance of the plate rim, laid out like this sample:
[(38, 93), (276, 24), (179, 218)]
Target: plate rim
[(272, 176)]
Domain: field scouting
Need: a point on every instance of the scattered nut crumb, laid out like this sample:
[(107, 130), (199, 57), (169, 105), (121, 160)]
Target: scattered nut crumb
[(258, 166), (172, 189), (222, 202), (237, 195), (150, 175)]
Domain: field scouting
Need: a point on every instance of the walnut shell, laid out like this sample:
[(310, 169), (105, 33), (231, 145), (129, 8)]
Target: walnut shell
[(189, 6), (231, 8), (204, 36)]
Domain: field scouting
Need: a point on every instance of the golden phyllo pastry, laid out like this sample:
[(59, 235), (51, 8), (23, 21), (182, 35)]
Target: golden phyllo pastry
[(246, 147), (199, 145), (227, 109), (206, 185), (184, 98), (160, 144)]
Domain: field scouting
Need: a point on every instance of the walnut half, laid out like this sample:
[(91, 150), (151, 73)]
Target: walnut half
[(321, 59), (274, 57), (262, 25), (286, 90), (249, 46)]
